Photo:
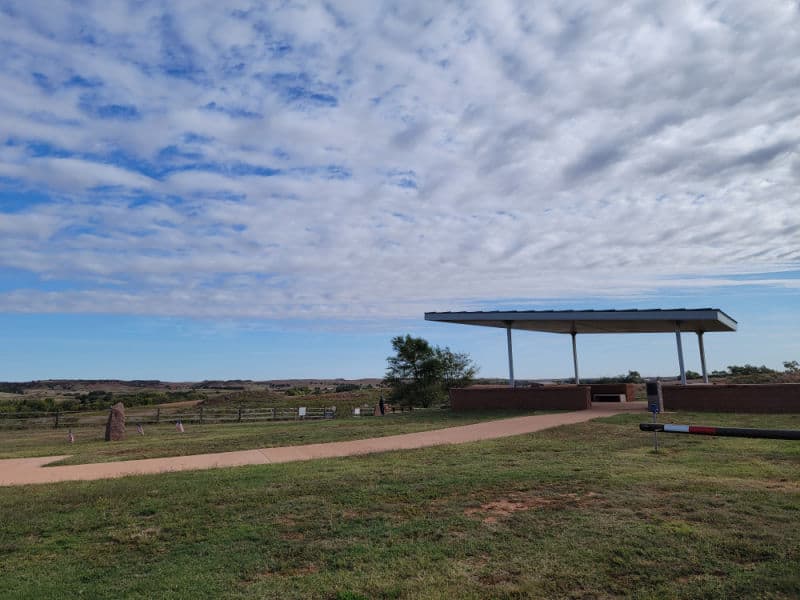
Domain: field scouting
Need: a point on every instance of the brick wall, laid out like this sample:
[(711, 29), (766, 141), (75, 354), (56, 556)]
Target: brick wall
[(548, 397), (745, 397)]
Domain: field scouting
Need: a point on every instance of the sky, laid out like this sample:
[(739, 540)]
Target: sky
[(261, 190)]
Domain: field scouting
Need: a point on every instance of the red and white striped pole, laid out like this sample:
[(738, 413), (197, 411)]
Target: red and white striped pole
[(771, 434)]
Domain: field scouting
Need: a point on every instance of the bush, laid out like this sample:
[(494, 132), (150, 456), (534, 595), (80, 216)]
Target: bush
[(347, 387)]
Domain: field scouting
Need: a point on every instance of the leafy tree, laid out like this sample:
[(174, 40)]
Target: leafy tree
[(791, 366), (693, 375), (411, 372), (456, 369), (633, 377), (420, 374)]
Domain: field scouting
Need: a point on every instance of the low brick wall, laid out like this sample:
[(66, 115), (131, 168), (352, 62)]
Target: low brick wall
[(547, 397), (629, 389), (745, 397)]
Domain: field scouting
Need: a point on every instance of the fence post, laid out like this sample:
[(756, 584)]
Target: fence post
[(239, 416), (201, 415), (55, 425), (158, 414), (273, 413)]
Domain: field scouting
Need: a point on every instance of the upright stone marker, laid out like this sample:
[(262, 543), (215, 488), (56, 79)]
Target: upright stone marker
[(115, 428)]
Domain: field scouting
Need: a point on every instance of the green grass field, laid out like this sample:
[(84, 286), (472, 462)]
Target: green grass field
[(163, 440), (583, 511)]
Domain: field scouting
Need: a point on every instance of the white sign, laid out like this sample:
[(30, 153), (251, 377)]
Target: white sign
[(301, 411)]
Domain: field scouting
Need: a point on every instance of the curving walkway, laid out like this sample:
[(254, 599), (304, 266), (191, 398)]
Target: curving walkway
[(20, 471)]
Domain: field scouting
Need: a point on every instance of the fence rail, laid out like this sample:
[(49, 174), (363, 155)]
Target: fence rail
[(157, 414)]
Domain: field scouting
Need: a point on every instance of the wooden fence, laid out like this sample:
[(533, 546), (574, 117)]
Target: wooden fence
[(190, 414)]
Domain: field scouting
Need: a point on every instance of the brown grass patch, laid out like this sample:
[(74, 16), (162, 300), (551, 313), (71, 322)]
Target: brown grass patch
[(146, 533), (491, 512)]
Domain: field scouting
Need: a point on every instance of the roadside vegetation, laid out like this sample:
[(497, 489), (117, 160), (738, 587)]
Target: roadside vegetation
[(583, 511)]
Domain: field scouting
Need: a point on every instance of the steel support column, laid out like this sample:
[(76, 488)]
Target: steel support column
[(702, 355), (510, 355), (680, 351), (575, 357)]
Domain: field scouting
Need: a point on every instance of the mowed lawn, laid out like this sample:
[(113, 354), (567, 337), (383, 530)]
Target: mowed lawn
[(581, 511), (163, 439)]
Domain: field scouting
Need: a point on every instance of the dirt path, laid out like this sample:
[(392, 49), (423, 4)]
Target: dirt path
[(19, 471)]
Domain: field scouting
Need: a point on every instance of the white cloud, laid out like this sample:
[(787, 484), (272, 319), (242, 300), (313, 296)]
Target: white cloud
[(368, 159)]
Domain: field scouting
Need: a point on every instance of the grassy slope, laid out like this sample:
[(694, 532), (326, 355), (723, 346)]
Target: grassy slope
[(344, 401), (163, 440), (580, 511)]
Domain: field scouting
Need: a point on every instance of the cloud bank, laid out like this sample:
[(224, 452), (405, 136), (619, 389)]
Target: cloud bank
[(265, 160)]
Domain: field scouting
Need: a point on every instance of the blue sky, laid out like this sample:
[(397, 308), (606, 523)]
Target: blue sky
[(267, 190)]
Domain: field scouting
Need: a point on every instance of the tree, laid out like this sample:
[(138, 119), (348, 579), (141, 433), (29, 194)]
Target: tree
[(791, 366), (633, 377), (420, 374), (411, 372), (456, 369)]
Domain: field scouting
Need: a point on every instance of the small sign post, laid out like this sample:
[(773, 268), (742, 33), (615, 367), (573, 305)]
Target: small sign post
[(654, 405)]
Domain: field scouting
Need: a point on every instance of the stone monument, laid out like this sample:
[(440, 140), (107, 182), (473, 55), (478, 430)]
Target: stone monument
[(115, 428)]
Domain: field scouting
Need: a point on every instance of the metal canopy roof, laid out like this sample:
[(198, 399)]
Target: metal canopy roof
[(595, 321)]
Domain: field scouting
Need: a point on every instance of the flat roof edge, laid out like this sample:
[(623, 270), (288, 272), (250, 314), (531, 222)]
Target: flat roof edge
[(721, 321)]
